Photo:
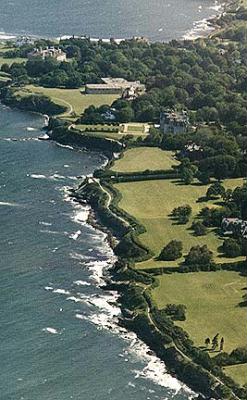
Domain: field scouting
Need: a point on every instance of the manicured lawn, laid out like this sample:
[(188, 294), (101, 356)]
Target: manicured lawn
[(212, 300), (72, 98), (151, 202), (142, 158), (135, 129), (108, 135), (238, 373)]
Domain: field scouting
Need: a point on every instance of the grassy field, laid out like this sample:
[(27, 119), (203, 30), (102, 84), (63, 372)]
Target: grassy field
[(238, 373), (151, 202), (212, 300), (142, 158), (73, 99)]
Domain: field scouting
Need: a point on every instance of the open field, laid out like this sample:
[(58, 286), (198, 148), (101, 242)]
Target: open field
[(73, 99), (151, 202), (142, 158), (212, 300), (238, 373)]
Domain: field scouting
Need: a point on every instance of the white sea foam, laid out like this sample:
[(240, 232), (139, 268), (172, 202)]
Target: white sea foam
[(62, 291), (75, 235), (80, 257), (82, 283), (49, 288), (81, 213), (38, 176), (51, 330), (9, 204), (66, 146), (45, 223), (203, 27)]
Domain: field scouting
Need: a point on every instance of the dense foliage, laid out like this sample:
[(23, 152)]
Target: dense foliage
[(172, 251)]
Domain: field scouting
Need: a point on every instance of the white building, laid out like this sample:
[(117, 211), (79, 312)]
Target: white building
[(115, 86)]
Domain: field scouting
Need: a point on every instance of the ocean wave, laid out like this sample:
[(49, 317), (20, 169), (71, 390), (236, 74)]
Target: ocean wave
[(45, 223), (9, 204), (37, 176), (53, 331), (66, 146), (75, 235), (81, 283)]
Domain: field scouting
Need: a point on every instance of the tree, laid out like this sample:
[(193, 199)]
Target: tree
[(207, 341), (215, 341), (199, 228), (187, 171), (222, 344), (216, 189), (203, 177), (172, 251), (199, 256), (232, 248), (176, 311), (182, 213)]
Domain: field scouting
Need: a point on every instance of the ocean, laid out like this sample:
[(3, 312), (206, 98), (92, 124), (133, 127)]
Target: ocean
[(161, 20), (59, 336)]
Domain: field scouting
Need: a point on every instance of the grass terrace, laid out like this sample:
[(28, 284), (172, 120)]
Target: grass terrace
[(151, 202), (142, 158), (75, 100), (212, 300), (135, 129)]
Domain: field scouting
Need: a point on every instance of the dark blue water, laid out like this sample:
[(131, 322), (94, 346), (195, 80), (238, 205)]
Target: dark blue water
[(157, 19), (56, 343)]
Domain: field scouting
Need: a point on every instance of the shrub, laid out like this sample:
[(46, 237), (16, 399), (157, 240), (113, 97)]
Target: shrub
[(216, 189), (182, 213), (232, 248), (199, 228), (172, 251), (199, 256), (176, 311)]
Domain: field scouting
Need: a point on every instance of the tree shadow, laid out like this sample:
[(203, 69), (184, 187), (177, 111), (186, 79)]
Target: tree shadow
[(202, 199)]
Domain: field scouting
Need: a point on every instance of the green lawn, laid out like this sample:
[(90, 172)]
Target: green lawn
[(151, 202), (142, 158), (105, 134), (9, 61), (212, 300), (73, 99), (135, 129), (238, 373)]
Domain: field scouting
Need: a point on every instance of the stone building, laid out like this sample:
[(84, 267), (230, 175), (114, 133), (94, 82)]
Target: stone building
[(174, 122), (48, 52)]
